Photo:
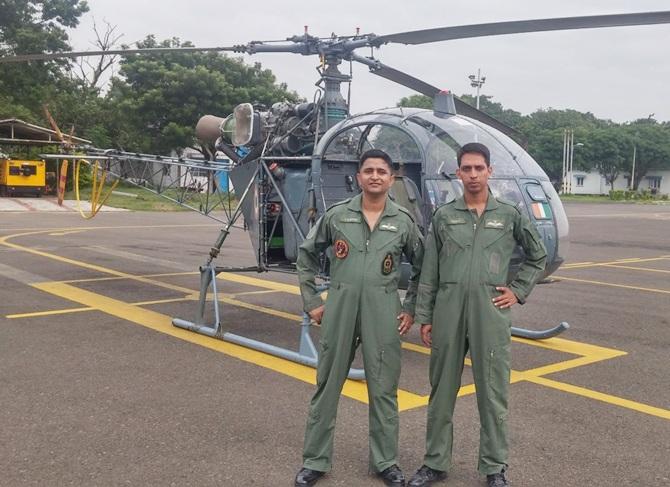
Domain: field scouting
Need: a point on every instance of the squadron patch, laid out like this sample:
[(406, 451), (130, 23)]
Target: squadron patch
[(341, 248), (387, 264)]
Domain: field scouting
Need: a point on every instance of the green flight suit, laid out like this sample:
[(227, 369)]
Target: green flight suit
[(362, 307), (466, 259)]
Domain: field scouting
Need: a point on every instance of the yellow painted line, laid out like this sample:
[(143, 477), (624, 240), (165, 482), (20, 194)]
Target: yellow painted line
[(598, 264), (162, 323), (561, 366), (416, 348), (251, 293), (78, 310), (68, 232), (355, 390), (619, 266), (599, 396), (47, 313), (115, 278), (611, 284), (254, 281), (573, 347)]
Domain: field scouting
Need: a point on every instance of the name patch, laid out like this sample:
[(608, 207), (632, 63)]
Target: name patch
[(350, 219), (455, 221)]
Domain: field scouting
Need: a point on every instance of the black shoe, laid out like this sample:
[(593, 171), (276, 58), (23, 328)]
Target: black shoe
[(393, 476), (307, 477), (426, 476), (496, 480)]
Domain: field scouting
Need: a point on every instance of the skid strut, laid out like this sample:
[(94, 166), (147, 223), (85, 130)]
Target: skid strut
[(306, 354)]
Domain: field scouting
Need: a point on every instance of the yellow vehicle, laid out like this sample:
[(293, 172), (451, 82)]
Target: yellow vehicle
[(22, 177)]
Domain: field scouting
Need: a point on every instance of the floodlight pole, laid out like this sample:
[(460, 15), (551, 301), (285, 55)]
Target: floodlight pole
[(477, 82)]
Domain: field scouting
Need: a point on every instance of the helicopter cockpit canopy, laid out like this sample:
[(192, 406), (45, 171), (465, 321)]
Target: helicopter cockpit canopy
[(423, 146)]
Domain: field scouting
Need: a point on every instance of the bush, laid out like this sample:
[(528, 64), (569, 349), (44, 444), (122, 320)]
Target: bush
[(645, 195)]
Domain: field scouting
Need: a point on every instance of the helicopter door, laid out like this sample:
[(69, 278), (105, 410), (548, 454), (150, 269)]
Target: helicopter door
[(541, 215)]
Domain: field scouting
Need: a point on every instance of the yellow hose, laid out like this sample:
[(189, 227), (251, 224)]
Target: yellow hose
[(96, 189)]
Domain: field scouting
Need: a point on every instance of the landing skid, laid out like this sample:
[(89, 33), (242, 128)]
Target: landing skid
[(540, 334), (306, 354)]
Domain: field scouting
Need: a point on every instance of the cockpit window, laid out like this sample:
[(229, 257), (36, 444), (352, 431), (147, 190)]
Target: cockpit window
[(447, 135), (397, 143), (345, 146)]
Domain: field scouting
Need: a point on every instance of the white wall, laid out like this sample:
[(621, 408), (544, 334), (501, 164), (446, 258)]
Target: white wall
[(594, 182)]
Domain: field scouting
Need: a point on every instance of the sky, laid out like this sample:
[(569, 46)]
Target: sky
[(620, 73)]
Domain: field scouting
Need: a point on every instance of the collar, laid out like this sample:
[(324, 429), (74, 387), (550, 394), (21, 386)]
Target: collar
[(355, 204), (491, 203)]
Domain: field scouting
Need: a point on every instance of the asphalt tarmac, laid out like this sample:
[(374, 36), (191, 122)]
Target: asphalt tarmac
[(98, 389)]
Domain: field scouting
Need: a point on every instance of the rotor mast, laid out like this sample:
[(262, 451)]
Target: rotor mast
[(335, 108)]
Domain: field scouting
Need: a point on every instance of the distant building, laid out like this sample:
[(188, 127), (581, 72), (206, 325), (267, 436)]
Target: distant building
[(592, 182)]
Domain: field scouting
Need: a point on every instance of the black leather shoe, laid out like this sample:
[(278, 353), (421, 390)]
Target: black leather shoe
[(307, 477), (426, 476), (496, 480), (393, 476)]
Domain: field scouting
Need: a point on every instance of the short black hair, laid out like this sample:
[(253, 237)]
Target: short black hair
[(375, 154), (474, 148)]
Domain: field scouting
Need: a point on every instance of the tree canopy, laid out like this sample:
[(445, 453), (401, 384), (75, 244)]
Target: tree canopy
[(604, 145)]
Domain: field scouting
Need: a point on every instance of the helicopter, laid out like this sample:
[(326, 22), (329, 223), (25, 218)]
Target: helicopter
[(289, 162)]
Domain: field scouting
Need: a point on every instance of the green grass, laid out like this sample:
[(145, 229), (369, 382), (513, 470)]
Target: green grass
[(144, 201), (592, 198)]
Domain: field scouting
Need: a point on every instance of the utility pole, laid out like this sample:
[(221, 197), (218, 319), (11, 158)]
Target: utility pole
[(568, 158), (632, 173), (477, 82), (564, 171)]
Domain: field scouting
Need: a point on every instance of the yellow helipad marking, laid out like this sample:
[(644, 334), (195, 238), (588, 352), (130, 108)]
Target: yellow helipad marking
[(599, 396), (620, 266), (68, 232), (611, 284), (589, 354), (163, 323), (582, 265)]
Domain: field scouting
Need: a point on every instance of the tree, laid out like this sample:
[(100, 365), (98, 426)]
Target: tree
[(160, 97), (416, 101), (28, 27), (652, 144), (495, 109), (608, 149)]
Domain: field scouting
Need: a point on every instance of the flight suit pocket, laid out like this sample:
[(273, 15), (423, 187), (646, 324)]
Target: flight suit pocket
[(388, 368), (499, 374), (323, 366)]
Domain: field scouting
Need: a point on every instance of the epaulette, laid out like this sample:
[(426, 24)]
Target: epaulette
[(405, 211), (343, 202), (443, 204), (509, 203)]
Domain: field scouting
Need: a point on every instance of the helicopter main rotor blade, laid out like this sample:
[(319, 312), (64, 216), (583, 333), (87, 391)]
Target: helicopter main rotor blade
[(427, 89), (523, 26), (150, 50)]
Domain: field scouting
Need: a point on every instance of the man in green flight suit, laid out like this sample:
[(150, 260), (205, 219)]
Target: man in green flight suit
[(464, 304), (365, 237)]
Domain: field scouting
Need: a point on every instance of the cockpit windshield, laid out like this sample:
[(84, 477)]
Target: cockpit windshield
[(444, 136)]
